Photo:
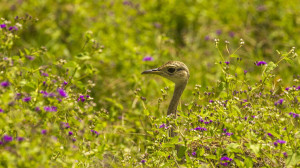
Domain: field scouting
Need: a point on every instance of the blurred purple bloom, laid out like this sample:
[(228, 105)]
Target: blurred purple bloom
[(227, 62), (280, 101), (231, 34), (12, 28), (37, 109), (70, 133), (45, 74), (62, 93), (65, 83), (281, 141), (65, 125), (285, 154), (1, 143), (224, 130), (81, 98), (50, 109), (225, 158), (259, 63), (270, 135), (219, 32), (194, 153), (245, 72), (27, 99), (44, 83), (5, 84), (1, 110), (207, 37), (275, 144), (287, 89), (74, 139), (200, 129), (224, 164), (228, 133), (143, 161), (169, 156), (44, 131), (162, 126), (7, 138), (295, 115), (3, 26), (211, 101), (253, 116), (147, 58), (20, 139), (30, 57), (298, 88)]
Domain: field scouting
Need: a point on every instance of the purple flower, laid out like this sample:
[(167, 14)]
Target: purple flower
[(227, 62), (281, 141), (259, 63), (7, 138), (298, 88), (73, 139), (228, 133), (147, 58), (270, 135), (224, 130), (50, 109), (245, 72), (287, 89), (200, 129), (45, 74), (211, 101), (194, 154), (27, 99), (1, 110), (44, 83), (65, 83), (20, 139), (44, 131), (70, 133), (95, 132), (275, 144), (65, 125), (62, 93), (225, 158), (224, 164), (30, 57), (207, 37), (285, 154), (3, 26), (169, 156), (1, 142), (12, 28), (280, 101), (143, 161), (231, 34), (219, 32), (162, 126), (5, 84), (81, 98)]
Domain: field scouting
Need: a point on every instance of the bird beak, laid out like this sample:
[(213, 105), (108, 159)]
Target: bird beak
[(151, 71)]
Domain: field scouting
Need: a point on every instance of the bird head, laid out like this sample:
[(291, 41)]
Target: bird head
[(175, 71)]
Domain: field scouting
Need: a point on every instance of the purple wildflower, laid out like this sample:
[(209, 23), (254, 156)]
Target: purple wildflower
[(207, 37), (287, 88), (27, 99), (298, 88), (7, 138), (259, 63), (231, 34), (194, 153), (62, 93), (81, 98), (162, 126), (70, 133), (200, 129), (279, 102), (224, 130), (245, 72), (275, 144), (147, 58), (281, 141), (65, 83), (12, 28), (5, 84), (45, 74), (225, 158), (143, 161), (1, 110), (211, 101), (219, 32), (44, 83), (3, 26), (169, 156), (270, 135), (50, 109), (227, 62), (224, 164), (30, 57), (74, 139), (20, 139), (65, 125), (285, 154), (1, 142), (44, 131)]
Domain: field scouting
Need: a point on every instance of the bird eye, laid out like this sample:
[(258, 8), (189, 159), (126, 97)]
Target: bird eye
[(171, 70)]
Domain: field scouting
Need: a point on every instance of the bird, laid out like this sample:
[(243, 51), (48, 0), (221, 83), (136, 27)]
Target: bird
[(178, 73)]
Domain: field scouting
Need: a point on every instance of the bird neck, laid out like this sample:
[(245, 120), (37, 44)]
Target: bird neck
[(179, 88)]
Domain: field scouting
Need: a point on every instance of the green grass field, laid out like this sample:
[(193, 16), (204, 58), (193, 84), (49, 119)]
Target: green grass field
[(72, 93)]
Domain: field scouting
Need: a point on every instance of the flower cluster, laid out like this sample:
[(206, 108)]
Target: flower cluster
[(200, 129), (295, 115), (225, 161), (50, 109)]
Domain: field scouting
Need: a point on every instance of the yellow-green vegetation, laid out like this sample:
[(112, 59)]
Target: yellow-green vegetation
[(72, 93)]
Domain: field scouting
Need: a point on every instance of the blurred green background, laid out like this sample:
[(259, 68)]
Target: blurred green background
[(110, 38)]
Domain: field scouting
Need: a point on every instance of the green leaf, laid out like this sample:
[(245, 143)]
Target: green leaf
[(255, 148), (233, 147), (168, 145), (293, 159), (181, 151), (248, 162), (270, 67), (188, 159)]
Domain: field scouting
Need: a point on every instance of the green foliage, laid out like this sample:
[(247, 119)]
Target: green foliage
[(72, 94)]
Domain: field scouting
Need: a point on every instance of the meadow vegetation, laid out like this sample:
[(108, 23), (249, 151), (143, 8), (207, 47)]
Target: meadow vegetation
[(72, 93)]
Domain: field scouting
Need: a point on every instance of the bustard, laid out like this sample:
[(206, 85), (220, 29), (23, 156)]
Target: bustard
[(178, 73)]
